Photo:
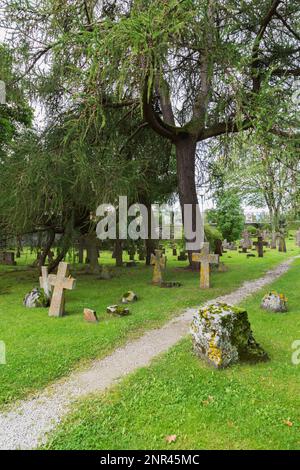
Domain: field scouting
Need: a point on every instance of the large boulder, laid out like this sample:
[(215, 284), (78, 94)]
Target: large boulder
[(36, 299), (222, 336), (274, 302)]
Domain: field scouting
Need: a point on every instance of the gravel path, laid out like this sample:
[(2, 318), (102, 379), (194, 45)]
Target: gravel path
[(26, 425)]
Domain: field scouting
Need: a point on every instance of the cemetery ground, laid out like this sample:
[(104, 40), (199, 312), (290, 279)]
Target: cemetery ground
[(182, 399), (41, 350)]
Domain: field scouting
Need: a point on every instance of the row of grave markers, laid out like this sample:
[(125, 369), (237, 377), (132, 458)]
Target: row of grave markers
[(54, 285)]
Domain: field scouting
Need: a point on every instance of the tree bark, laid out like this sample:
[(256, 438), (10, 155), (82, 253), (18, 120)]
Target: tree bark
[(185, 156), (118, 251), (47, 248)]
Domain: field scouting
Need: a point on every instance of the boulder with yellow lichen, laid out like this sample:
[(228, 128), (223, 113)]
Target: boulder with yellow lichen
[(222, 336)]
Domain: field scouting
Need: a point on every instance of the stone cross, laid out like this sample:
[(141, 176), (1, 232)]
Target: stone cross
[(159, 262), (60, 281), (44, 282), (205, 258), (246, 242), (260, 246)]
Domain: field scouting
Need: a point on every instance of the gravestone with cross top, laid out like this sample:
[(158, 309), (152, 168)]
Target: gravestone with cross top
[(260, 246), (246, 241), (61, 282), (205, 258), (159, 263), (44, 282)]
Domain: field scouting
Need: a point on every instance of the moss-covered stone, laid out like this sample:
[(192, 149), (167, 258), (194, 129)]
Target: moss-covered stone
[(222, 335), (36, 299), (274, 302), (118, 310), (129, 297)]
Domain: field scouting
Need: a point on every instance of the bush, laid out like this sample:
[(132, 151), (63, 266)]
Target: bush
[(251, 230), (230, 216), (211, 235)]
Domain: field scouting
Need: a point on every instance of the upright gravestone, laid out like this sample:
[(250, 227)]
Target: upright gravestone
[(61, 281), (205, 258), (44, 282), (225, 244), (260, 246), (159, 263), (246, 241), (8, 258)]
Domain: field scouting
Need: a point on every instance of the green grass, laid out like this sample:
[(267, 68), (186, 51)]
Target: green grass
[(42, 349), (242, 407)]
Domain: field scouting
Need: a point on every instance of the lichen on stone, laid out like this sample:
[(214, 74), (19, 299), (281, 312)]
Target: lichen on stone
[(129, 297), (222, 335), (36, 299), (274, 302)]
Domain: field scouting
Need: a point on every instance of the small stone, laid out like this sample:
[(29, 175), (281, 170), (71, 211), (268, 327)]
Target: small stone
[(170, 284), (129, 297), (274, 302), (222, 336), (90, 315), (118, 310), (36, 299)]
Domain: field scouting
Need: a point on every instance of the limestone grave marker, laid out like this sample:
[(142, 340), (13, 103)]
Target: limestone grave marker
[(158, 262), (61, 282), (205, 258)]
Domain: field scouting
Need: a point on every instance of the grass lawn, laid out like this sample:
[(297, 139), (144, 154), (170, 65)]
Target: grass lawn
[(41, 349), (242, 407)]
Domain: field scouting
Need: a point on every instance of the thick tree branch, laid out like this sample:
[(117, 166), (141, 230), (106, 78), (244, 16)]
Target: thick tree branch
[(155, 122), (222, 128), (163, 91), (288, 27), (256, 78), (286, 72)]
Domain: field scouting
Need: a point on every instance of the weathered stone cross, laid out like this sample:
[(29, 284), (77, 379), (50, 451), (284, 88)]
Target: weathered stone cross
[(60, 281), (205, 258), (246, 241), (159, 262), (44, 282), (260, 246)]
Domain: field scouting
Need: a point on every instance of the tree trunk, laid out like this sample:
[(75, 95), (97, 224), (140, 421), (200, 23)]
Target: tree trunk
[(150, 245), (93, 255), (118, 251), (47, 248), (275, 229), (185, 156), (80, 252)]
